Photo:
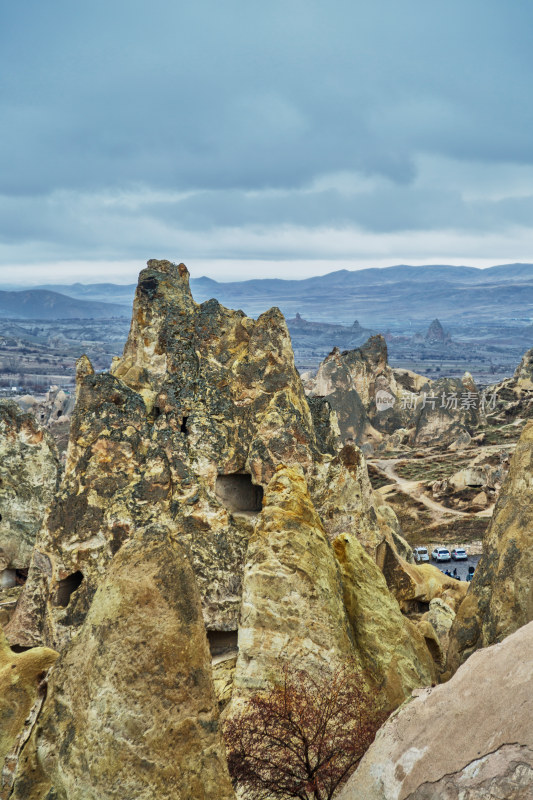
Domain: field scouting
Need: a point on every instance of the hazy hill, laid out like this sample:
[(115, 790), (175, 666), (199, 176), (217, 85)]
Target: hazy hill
[(398, 295), (44, 304)]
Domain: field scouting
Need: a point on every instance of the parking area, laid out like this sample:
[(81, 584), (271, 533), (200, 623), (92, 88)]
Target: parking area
[(460, 566)]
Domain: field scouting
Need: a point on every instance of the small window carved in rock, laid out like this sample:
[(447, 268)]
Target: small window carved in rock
[(237, 493), (183, 427), (222, 643), (67, 587)]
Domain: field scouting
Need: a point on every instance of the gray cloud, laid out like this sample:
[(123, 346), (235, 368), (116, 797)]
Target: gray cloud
[(130, 128)]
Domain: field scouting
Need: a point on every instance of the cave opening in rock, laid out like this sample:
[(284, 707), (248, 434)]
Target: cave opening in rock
[(21, 576), (183, 427), (222, 644), (237, 493), (67, 587)]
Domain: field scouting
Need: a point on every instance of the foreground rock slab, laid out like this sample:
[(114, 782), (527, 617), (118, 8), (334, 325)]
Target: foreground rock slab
[(468, 739)]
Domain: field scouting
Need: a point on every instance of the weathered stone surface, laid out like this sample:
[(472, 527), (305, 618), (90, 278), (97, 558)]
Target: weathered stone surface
[(204, 413), (356, 383), (52, 413), (468, 739), (28, 480), (203, 395), (20, 675), (392, 652), (416, 584), (437, 418), (440, 616), (131, 712), (292, 606), (500, 597)]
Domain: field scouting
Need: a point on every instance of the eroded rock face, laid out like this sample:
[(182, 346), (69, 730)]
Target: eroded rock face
[(415, 585), (375, 402), (202, 432), (449, 410), (362, 389), (29, 470), (469, 738), (53, 413), (203, 396), (131, 711), (292, 605), (393, 654), (20, 676), (499, 599)]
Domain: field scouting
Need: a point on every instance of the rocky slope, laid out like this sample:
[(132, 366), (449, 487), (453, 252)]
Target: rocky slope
[(468, 739), (29, 473), (188, 429), (500, 597)]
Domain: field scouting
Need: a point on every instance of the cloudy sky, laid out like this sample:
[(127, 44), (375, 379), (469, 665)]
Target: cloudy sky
[(263, 139)]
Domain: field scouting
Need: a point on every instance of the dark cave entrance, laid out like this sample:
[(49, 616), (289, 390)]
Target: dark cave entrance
[(222, 643), (237, 493), (67, 587)]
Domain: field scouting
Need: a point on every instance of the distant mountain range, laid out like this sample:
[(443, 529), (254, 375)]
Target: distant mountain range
[(391, 296), (46, 305)]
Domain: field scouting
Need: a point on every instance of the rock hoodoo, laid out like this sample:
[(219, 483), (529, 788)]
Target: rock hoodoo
[(201, 487)]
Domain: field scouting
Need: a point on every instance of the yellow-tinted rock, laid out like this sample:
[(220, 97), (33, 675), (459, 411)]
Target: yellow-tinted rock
[(416, 584), (131, 712), (292, 607), (500, 597), (389, 646), (202, 395), (29, 474), (20, 674)]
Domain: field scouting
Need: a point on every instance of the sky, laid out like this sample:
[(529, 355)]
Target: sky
[(279, 139)]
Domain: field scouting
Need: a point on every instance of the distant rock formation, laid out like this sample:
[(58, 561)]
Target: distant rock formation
[(469, 738), (29, 474), (362, 389), (436, 333), (514, 396), (499, 599), (451, 408), (52, 413), (373, 401)]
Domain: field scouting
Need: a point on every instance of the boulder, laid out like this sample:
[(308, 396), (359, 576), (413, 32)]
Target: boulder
[(468, 739)]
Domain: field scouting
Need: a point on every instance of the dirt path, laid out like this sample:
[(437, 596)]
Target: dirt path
[(415, 490)]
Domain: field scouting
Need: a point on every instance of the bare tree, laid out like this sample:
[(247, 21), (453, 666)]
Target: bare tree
[(302, 738)]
